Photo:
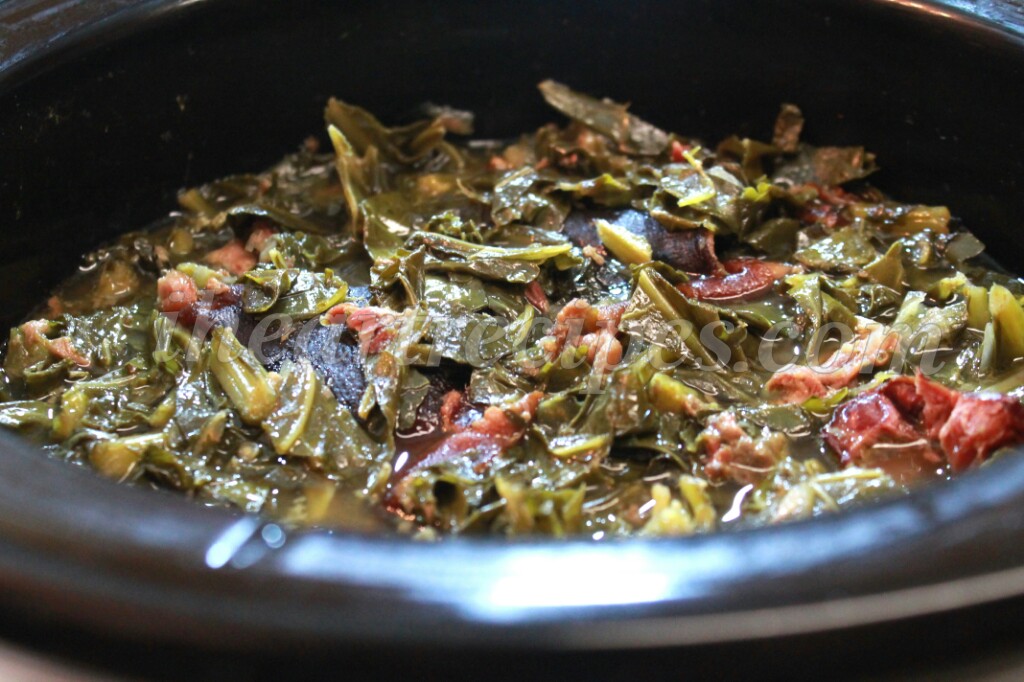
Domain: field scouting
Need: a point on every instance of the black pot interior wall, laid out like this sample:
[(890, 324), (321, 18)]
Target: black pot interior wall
[(99, 140)]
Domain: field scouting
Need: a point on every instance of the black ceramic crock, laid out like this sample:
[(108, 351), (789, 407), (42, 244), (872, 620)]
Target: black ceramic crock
[(107, 108)]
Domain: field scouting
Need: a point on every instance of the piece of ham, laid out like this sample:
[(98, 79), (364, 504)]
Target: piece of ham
[(980, 424), (604, 351), (176, 292), (734, 455), (827, 208), (928, 403), (576, 318), (747, 278), (678, 151), (34, 333), (233, 257), (579, 323), (64, 349), (259, 237), (374, 326), (488, 436), (909, 426), (871, 431), (181, 299), (872, 346)]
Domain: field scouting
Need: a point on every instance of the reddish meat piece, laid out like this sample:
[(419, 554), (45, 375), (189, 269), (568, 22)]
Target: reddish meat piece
[(574, 320), (816, 212), (483, 446), (176, 292), (35, 332), (497, 423), (451, 405), (796, 385), (34, 335), (374, 326), (978, 425), (937, 404), (180, 300), (609, 316), (54, 307), (577, 314), (526, 407), (489, 436), (748, 278), (872, 347), (604, 351), (903, 393), (837, 196), (598, 254), (735, 455), (898, 426), (927, 402), (870, 431), (827, 209), (217, 287), (579, 324), (679, 151), (233, 257), (258, 238), (536, 296), (62, 348)]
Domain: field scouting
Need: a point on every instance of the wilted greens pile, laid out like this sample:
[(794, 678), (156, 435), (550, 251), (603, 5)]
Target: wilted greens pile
[(599, 328)]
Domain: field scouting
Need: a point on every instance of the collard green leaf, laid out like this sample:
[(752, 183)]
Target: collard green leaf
[(405, 145), (691, 187), (519, 265), (925, 327), (26, 414), (312, 251), (310, 294), (241, 377), (604, 190), (627, 247), (888, 268), (1008, 325), (814, 295), (276, 215), (386, 371), (295, 294), (263, 288), (751, 153), (846, 250), (522, 195), (307, 421), (529, 510), (607, 118), (776, 238), (661, 315), (118, 457), (826, 166), (477, 339), (802, 489), (711, 198)]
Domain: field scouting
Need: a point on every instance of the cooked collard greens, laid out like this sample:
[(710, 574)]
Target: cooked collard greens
[(600, 328)]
